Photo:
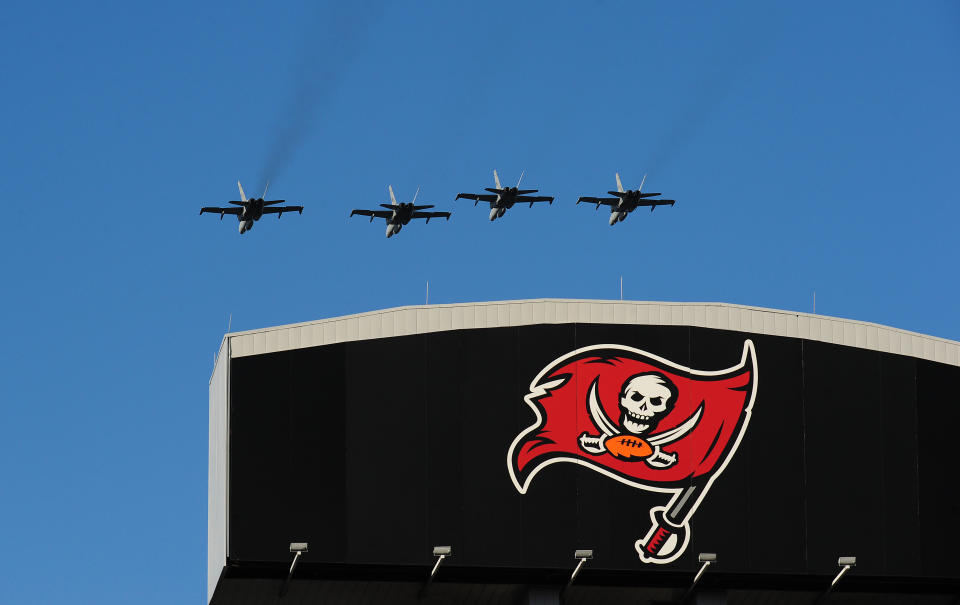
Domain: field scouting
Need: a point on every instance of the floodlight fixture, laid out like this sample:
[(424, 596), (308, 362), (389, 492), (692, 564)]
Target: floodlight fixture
[(708, 559), (298, 548), (441, 553), (582, 555), (844, 563)]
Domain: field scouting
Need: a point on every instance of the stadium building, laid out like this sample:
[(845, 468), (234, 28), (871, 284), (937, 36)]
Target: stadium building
[(570, 451)]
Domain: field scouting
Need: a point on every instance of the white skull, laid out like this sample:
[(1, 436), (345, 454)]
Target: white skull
[(644, 399)]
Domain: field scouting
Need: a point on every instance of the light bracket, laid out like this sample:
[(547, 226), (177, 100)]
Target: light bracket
[(582, 555), (441, 553), (298, 548)]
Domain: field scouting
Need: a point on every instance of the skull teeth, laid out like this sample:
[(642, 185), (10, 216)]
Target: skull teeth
[(635, 422), (635, 427)]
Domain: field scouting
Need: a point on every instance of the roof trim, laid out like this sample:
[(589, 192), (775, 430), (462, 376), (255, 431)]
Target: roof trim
[(423, 319)]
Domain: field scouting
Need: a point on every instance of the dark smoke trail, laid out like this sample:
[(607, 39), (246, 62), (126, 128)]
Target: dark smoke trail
[(725, 76), (330, 43)]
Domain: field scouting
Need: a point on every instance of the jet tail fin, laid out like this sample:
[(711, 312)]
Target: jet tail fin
[(520, 179), (243, 196), (415, 195), (393, 198), (619, 184), (496, 179), (642, 181)]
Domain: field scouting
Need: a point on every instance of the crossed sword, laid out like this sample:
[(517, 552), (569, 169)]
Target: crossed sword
[(669, 532), (596, 444)]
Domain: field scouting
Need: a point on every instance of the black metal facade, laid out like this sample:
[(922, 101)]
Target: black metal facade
[(375, 451)]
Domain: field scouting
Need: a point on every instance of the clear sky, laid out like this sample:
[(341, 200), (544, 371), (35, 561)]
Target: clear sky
[(812, 147)]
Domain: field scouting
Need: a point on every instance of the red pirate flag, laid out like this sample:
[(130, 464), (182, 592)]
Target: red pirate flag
[(641, 420)]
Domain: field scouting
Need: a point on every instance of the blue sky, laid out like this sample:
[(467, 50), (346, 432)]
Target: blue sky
[(812, 147)]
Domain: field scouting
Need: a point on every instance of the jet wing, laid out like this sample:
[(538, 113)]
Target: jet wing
[(606, 201), (531, 199), (279, 210), (430, 215), (271, 202), (655, 203), (220, 211), (371, 213), (479, 197)]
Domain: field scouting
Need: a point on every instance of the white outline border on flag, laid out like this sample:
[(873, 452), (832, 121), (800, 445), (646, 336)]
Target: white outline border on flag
[(539, 390)]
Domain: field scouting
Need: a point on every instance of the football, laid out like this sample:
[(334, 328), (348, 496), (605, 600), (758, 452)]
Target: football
[(628, 447)]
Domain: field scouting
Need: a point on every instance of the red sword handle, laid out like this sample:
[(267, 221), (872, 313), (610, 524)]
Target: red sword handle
[(657, 540), (657, 546)]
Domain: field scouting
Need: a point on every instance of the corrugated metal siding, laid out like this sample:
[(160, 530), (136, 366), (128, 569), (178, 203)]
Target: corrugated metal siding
[(217, 471), (402, 321)]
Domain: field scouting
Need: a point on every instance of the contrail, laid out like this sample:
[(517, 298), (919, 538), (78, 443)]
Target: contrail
[(330, 44)]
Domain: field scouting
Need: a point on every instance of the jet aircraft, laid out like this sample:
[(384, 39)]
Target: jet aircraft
[(626, 202), (503, 198), (250, 211), (399, 215)]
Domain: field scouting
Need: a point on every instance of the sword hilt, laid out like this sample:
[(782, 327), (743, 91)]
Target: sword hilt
[(664, 542), (657, 540)]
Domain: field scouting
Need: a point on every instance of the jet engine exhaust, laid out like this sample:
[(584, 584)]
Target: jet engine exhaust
[(329, 44)]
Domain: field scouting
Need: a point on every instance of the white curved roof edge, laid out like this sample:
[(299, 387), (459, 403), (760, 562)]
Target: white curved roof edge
[(420, 319)]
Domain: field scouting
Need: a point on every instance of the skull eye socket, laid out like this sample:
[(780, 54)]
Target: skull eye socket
[(636, 396)]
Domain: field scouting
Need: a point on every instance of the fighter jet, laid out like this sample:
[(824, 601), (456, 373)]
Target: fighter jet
[(626, 202), (503, 198), (399, 215), (250, 211)]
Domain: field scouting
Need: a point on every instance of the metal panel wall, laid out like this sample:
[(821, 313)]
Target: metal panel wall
[(217, 469), (375, 450), (423, 319)]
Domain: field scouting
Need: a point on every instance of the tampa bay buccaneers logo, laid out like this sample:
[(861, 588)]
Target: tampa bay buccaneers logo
[(642, 420)]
